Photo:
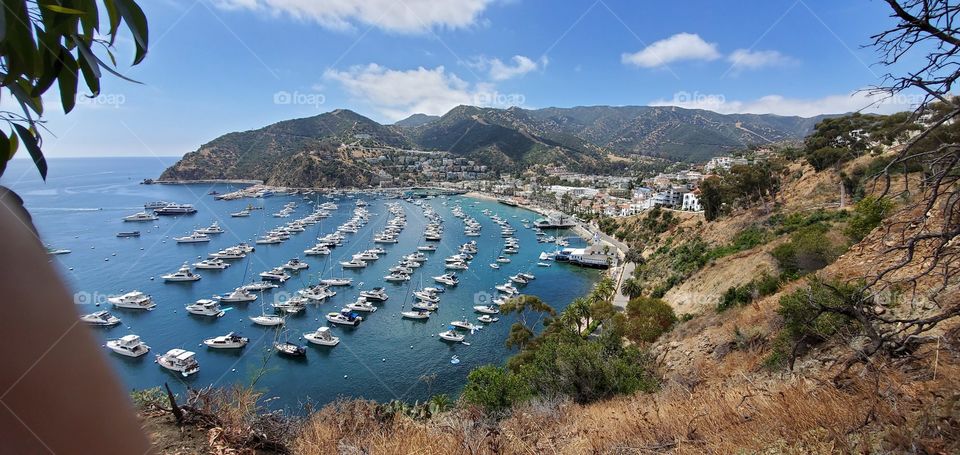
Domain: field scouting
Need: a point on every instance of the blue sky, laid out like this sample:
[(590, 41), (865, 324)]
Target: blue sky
[(217, 66)]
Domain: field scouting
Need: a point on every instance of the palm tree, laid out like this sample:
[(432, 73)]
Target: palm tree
[(604, 289), (631, 287)]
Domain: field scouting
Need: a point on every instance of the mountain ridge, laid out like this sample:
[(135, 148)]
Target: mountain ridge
[(581, 138)]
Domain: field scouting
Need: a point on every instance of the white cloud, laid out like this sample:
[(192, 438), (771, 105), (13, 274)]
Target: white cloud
[(745, 59), (500, 71), (781, 105), (397, 94), (682, 46), (407, 16)]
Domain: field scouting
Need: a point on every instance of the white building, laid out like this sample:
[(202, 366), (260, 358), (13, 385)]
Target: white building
[(691, 203), (671, 197), (723, 162)]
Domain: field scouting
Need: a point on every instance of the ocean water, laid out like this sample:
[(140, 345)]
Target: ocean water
[(81, 205)]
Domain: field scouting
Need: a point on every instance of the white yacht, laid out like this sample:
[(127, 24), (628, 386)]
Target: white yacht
[(487, 319), (397, 277), (361, 304), (175, 209), (375, 294), (519, 279), (424, 305), (344, 317), (316, 293), (427, 248), (507, 288), (141, 216), (212, 229), (259, 286), (184, 274), (495, 266), (241, 214), (205, 307), (276, 274), (322, 337), (133, 300), (228, 341), (451, 335), (415, 314), (503, 259), (486, 309), (449, 279), (128, 345), (317, 250), (267, 320), (353, 264), (293, 305), (228, 253), (156, 205), (196, 237), (465, 324), (268, 240), (427, 296), (239, 295), (211, 264), (295, 265), (103, 318), (179, 360)]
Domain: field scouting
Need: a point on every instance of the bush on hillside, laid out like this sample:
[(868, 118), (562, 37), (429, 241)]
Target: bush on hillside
[(867, 215), (647, 319), (495, 388), (809, 249)]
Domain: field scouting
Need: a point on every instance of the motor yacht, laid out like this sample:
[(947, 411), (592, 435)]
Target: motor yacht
[(179, 360), (102, 318), (295, 265), (451, 335), (424, 305), (495, 266), (353, 264), (196, 237), (316, 293), (184, 274), (465, 324), (316, 251), (344, 317), (457, 266), (268, 240), (228, 254), (427, 296), (375, 294), (244, 247), (415, 314), (128, 234), (426, 248), (259, 286), (507, 288), (397, 277), (486, 309), (366, 256), (487, 319), (141, 216), (241, 214), (211, 264), (228, 341), (543, 264), (239, 295), (267, 320), (156, 205), (361, 304), (205, 307), (503, 260), (133, 300), (322, 337), (276, 274), (519, 279), (128, 345), (293, 305), (337, 281), (290, 349), (448, 279), (212, 229)]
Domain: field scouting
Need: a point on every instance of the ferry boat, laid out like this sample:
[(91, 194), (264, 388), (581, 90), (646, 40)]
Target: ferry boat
[(175, 209)]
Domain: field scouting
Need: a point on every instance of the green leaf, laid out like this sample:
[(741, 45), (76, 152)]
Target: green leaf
[(33, 146), (68, 82), (63, 9), (137, 22), (4, 148)]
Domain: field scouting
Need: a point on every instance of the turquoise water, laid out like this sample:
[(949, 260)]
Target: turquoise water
[(80, 208)]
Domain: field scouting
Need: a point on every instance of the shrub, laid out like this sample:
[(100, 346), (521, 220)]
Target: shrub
[(494, 388), (761, 286), (867, 215), (648, 318), (809, 249)]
